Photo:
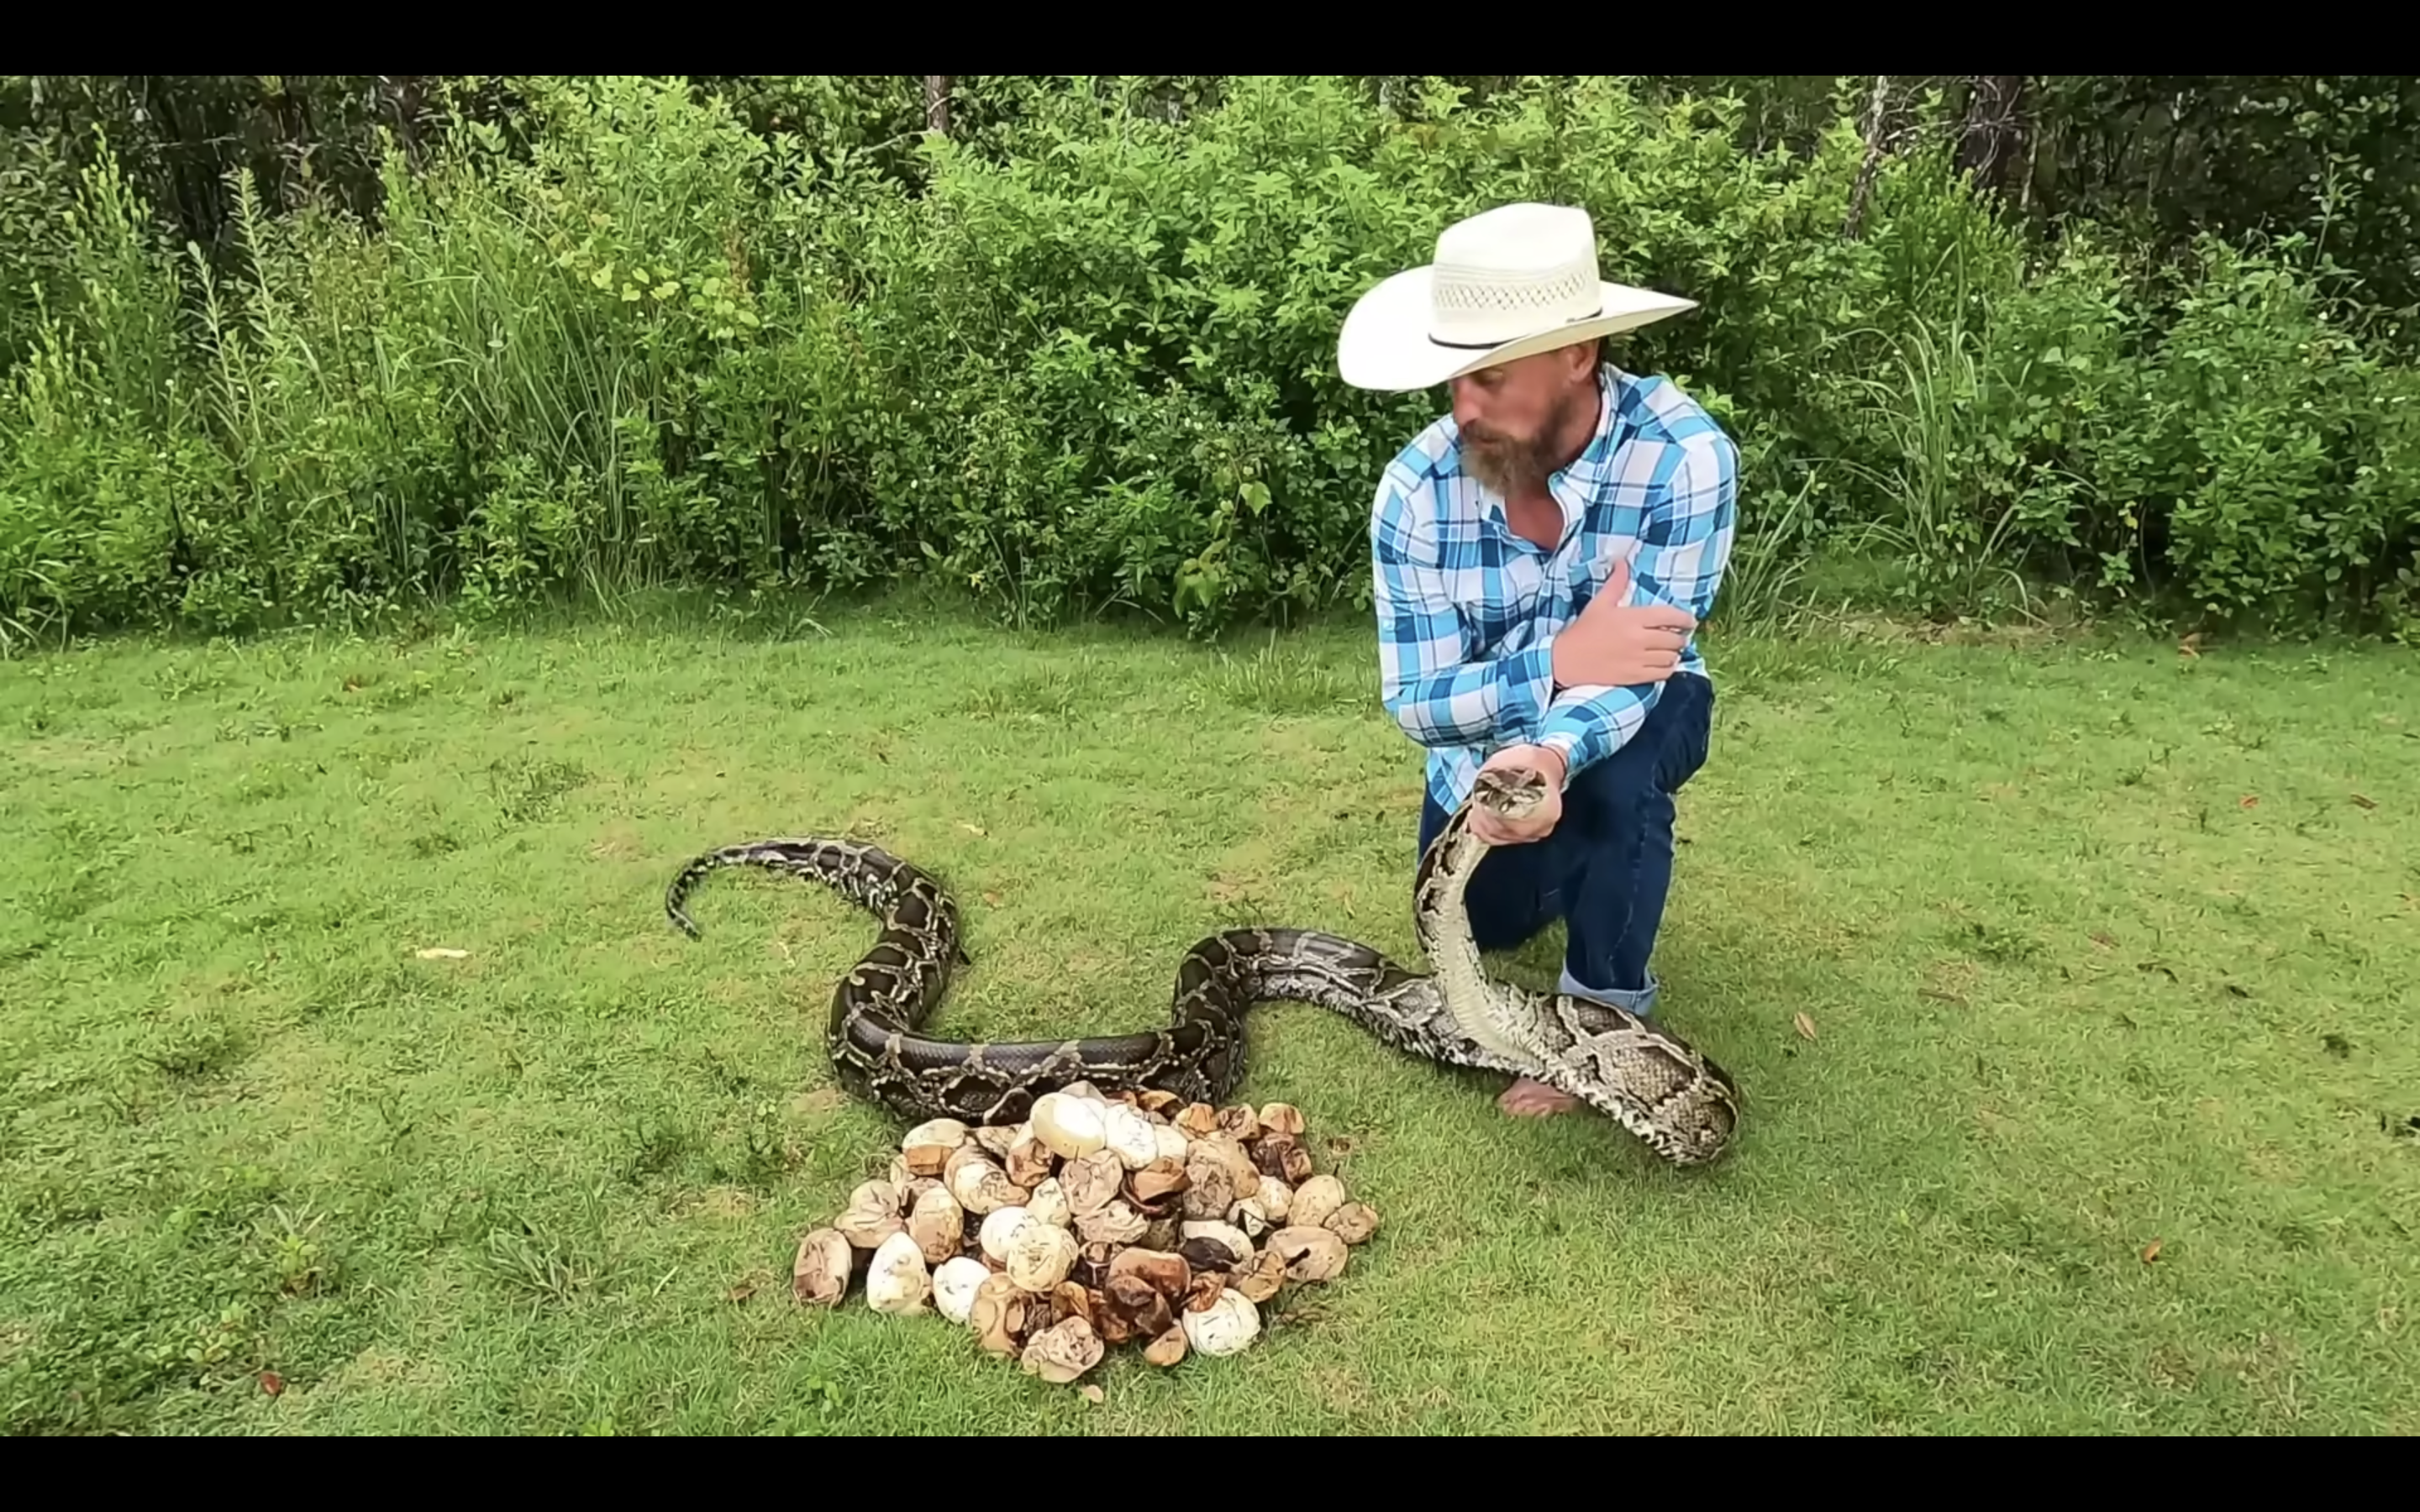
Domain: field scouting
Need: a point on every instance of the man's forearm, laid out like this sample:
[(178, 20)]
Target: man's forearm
[(1467, 703), (1588, 724)]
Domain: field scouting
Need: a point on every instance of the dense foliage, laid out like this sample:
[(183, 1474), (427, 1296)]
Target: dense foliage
[(501, 340)]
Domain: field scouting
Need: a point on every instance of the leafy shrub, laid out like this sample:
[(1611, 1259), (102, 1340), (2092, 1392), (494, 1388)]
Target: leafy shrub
[(2272, 446), (2219, 432), (1136, 401), (766, 334)]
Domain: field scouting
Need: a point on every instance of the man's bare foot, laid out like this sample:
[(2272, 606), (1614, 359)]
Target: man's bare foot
[(1527, 1099)]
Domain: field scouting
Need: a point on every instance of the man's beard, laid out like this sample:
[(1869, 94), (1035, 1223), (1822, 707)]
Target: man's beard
[(1510, 467)]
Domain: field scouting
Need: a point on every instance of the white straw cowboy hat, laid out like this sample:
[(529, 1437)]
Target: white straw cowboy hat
[(1507, 282)]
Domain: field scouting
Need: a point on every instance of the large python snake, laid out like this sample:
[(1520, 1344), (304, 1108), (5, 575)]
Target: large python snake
[(1681, 1104)]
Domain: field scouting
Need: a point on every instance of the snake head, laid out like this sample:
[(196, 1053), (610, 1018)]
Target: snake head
[(1510, 792)]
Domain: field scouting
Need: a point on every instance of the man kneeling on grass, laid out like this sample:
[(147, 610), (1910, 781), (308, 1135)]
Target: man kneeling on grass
[(1541, 556)]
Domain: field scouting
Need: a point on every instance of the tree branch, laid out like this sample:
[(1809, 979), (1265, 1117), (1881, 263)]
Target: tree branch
[(1864, 184)]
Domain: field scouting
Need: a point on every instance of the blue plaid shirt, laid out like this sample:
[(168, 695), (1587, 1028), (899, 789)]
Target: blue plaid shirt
[(1468, 611)]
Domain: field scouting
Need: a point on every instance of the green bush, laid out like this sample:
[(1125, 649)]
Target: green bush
[(2217, 432), (1121, 344), (1084, 359), (2274, 448)]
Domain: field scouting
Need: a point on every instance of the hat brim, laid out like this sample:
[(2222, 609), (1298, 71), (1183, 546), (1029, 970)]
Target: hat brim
[(1385, 344)]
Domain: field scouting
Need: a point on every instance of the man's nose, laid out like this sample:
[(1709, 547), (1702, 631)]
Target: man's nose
[(1465, 401)]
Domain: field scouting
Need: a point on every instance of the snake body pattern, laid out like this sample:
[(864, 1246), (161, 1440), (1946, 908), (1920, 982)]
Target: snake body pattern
[(1681, 1104)]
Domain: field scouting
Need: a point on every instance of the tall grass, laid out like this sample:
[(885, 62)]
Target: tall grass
[(1955, 546), (1768, 564)]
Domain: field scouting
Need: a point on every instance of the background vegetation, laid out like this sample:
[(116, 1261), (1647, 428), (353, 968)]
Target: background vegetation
[(294, 347)]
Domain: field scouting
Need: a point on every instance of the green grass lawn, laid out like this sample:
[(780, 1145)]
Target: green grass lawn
[(2104, 1126)]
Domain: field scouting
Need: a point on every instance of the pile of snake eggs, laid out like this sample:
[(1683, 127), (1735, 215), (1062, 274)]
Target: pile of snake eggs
[(1097, 1221)]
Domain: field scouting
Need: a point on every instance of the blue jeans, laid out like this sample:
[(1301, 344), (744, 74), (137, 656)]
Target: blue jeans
[(1608, 864)]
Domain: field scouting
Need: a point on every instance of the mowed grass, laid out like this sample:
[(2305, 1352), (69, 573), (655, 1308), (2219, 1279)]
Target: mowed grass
[(2105, 1123)]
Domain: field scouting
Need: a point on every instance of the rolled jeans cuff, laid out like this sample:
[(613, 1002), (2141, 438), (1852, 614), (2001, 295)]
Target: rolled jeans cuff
[(1640, 1001)]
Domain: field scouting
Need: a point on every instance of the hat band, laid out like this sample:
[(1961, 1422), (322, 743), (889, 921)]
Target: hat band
[(1436, 340)]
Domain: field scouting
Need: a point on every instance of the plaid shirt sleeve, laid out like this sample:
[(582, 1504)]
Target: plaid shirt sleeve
[(1435, 693), (1683, 549)]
